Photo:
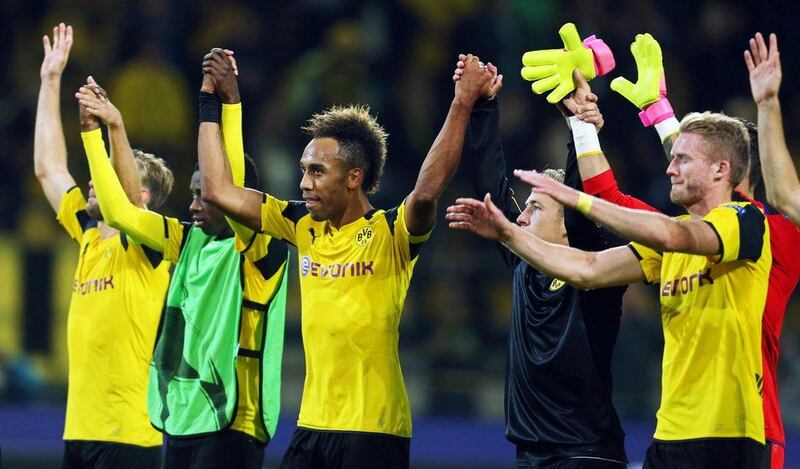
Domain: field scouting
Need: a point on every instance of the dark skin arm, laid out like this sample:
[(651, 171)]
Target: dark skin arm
[(442, 160), (216, 182)]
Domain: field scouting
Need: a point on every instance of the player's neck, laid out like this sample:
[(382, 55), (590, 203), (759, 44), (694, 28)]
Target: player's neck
[(744, 188), (106, 231), (713, 198), (358, 206)]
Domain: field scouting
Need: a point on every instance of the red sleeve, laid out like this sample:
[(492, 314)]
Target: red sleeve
[(604, 185)]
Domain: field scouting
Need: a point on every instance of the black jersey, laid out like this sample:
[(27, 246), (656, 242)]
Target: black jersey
[(558, 371)]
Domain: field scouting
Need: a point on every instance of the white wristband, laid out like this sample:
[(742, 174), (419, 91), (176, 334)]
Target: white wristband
[(667, 128), (585, 137)]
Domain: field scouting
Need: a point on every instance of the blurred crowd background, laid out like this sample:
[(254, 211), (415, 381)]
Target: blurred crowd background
[(299, 57)]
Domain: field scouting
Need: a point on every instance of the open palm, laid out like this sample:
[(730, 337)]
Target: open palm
[(480, 217), (57, 53), (764, 65)]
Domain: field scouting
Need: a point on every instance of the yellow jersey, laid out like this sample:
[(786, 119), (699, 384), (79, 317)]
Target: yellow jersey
[(263, 266), (117, 297), (353, 282), (711, 311)]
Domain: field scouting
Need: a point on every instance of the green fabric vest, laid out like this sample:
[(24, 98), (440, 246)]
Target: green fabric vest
[(192, 386)]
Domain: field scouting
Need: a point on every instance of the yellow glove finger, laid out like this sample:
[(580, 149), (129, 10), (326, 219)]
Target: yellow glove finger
[(562, 90), (639, 47), (569, 35), (542, 57), (539, 71), (545, 84), (656, 47), (624, 87)]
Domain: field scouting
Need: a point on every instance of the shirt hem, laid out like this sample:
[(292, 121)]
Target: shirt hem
[(351, 430)]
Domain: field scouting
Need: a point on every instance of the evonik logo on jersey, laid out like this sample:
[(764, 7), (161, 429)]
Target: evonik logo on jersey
[(93, 285), (684, 285), (309, 268)]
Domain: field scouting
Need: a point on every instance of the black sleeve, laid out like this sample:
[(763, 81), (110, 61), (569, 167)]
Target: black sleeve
[(582, 232), (187, 227), (483, 159), (269, 265)]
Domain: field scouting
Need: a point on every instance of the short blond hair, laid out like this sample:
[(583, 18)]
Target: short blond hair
[(724, 138), (557, 174), (155, 176)]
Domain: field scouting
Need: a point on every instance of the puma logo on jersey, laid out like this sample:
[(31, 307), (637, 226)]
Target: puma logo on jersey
[(684, 285), (309, 268)]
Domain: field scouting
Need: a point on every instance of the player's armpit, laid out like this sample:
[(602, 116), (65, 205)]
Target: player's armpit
[(55, 183), (792, 209), (71, 213), (278, 218)]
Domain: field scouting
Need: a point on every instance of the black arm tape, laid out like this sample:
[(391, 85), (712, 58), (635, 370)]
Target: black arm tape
[(210, 107)]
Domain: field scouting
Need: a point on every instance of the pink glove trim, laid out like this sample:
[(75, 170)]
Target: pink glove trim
[(603, 57), (654, 113), (662, 86)]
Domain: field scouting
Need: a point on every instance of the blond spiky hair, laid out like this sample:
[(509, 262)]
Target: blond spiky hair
[(156, 177), (724, 138)]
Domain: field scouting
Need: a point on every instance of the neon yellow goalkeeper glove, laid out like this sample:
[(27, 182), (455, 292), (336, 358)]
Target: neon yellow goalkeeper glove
[(552, 68), (649, 93)]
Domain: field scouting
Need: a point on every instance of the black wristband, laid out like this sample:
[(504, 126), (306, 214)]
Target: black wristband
[(210, 107)]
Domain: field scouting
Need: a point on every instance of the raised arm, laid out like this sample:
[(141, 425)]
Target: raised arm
[(442, 160), (654, 230), (143, 226), (220, 84), (222, 176), (587, 270), (649, 93), (483, 150), (122, 159), (49, 147), (780, 175), (585, 121)]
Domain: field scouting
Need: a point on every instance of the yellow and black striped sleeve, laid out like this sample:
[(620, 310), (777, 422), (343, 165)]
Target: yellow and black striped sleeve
[(649, 260), (279, 217), (740, 228), (175, 234), (72, 214), (408, 243)]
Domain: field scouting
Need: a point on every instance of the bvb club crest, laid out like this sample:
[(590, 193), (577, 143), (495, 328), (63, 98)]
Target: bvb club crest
[(364, 236)]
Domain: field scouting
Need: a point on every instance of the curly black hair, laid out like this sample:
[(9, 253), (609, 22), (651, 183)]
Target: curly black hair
[(362, 140)]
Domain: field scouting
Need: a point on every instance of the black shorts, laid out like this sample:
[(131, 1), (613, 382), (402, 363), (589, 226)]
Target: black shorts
[(79, 454), (313, 449), (579, 463), (730, 453), (224, 450), (606, 454)]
